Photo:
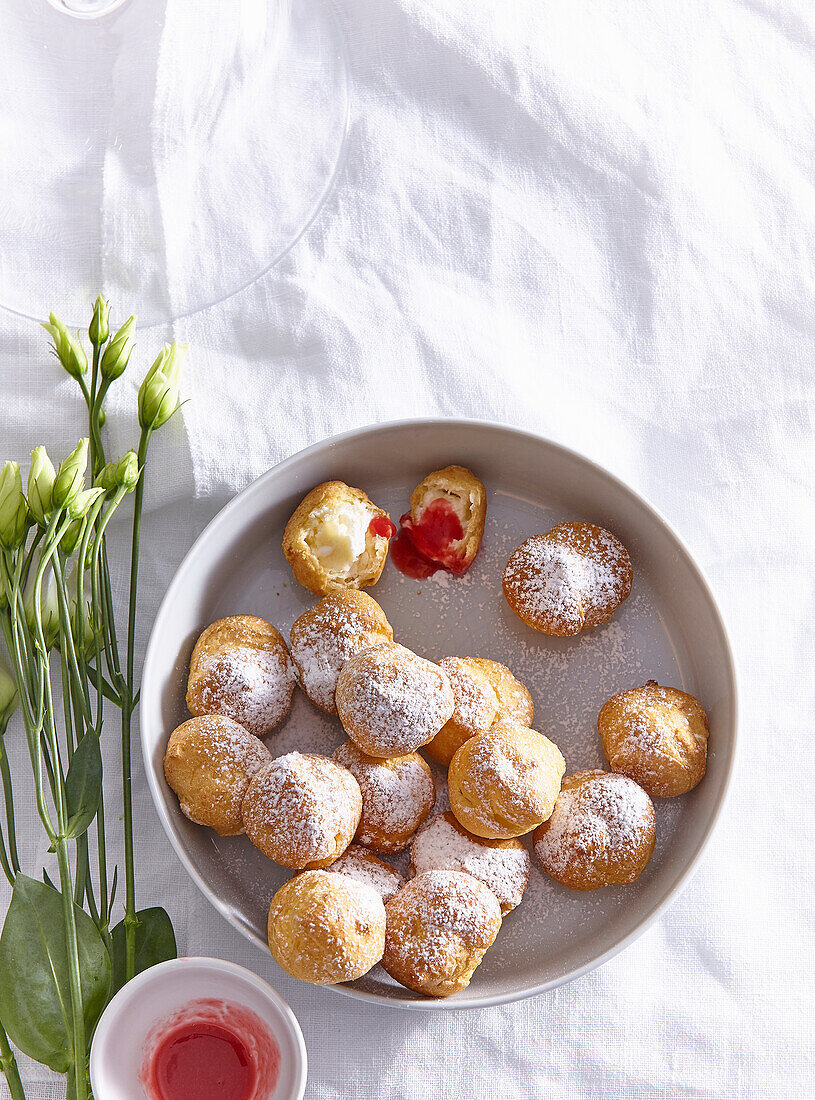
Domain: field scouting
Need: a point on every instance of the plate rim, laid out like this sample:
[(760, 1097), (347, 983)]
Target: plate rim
[(222, 515)]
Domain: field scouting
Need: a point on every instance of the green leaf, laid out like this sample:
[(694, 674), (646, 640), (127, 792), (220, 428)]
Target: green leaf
[(155, 943), (35, 991), (83, 785)]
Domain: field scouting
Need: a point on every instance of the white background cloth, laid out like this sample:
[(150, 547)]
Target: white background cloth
[(595, 220)]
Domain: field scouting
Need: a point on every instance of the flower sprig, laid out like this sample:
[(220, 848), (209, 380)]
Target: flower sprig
[(58, 621)]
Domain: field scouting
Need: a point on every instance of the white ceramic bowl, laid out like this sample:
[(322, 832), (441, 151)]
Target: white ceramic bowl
[(669, 629), (117, 1051)]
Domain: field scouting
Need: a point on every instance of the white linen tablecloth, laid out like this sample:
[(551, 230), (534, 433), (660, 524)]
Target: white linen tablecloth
[(594, 220)]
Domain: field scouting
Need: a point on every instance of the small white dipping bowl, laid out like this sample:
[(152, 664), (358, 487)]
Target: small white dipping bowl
[(117, 1051)]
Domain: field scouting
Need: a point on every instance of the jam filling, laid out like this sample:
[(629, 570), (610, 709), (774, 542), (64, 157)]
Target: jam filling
[(381, 526), (408, 560), (421, 548)]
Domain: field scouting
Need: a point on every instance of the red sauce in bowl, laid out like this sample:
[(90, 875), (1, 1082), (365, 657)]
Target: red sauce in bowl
[(211, 1050)]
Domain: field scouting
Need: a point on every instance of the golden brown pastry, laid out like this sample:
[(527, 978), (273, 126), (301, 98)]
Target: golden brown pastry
[(391, 702), (209, 762), (572, 578), (326, 635), (302, 810), (326, 928), (446, 518), (514, 701), (476, 707), (502, 865), (337, 539), (485, 692), (240, 668), (361, 864), (439, 926), (657, 736), (504, 782), (397, 796), (601, 833)]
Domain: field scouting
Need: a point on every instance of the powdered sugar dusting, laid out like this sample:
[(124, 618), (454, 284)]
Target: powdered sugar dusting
[(650, 729), (358, 863), (325, 637), (209, 762), (391, 702), (252, 686), (608, 817), (503, 866), (397, 795), (326, 927), (506, 779), (299, 804), (439, 925), (559, 586), (475, 698)]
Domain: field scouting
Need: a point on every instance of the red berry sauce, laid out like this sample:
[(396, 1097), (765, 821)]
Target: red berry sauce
[(211, 1050), (421, 548), (382, 526), (407, 558)]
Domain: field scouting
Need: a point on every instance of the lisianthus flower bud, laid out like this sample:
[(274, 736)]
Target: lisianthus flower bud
[(71, 475), (108, 477), (68, 348), (8, 695), (127, 471), (41, 479), (116, 355), (71, 537), (13, 508), (49, 604), (98, 328), (158, 394), (79, 506)]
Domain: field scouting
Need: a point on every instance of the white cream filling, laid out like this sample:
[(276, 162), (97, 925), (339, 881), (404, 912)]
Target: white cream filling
[(337, 535)]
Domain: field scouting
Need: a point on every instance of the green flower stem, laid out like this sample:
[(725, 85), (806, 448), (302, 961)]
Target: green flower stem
[(8, 1063), (33, 731), (77, 1007), (83, 385), (100, 579), (94, 402), (67, 640), (8, 798), (94, 376), (17, 639), (100, 575), (130, 919), (80, 871), (5, 859), (66, 702), (26, 563), (95, 416), (101, 846), (49, 767), (81, 876), (59, 842)]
